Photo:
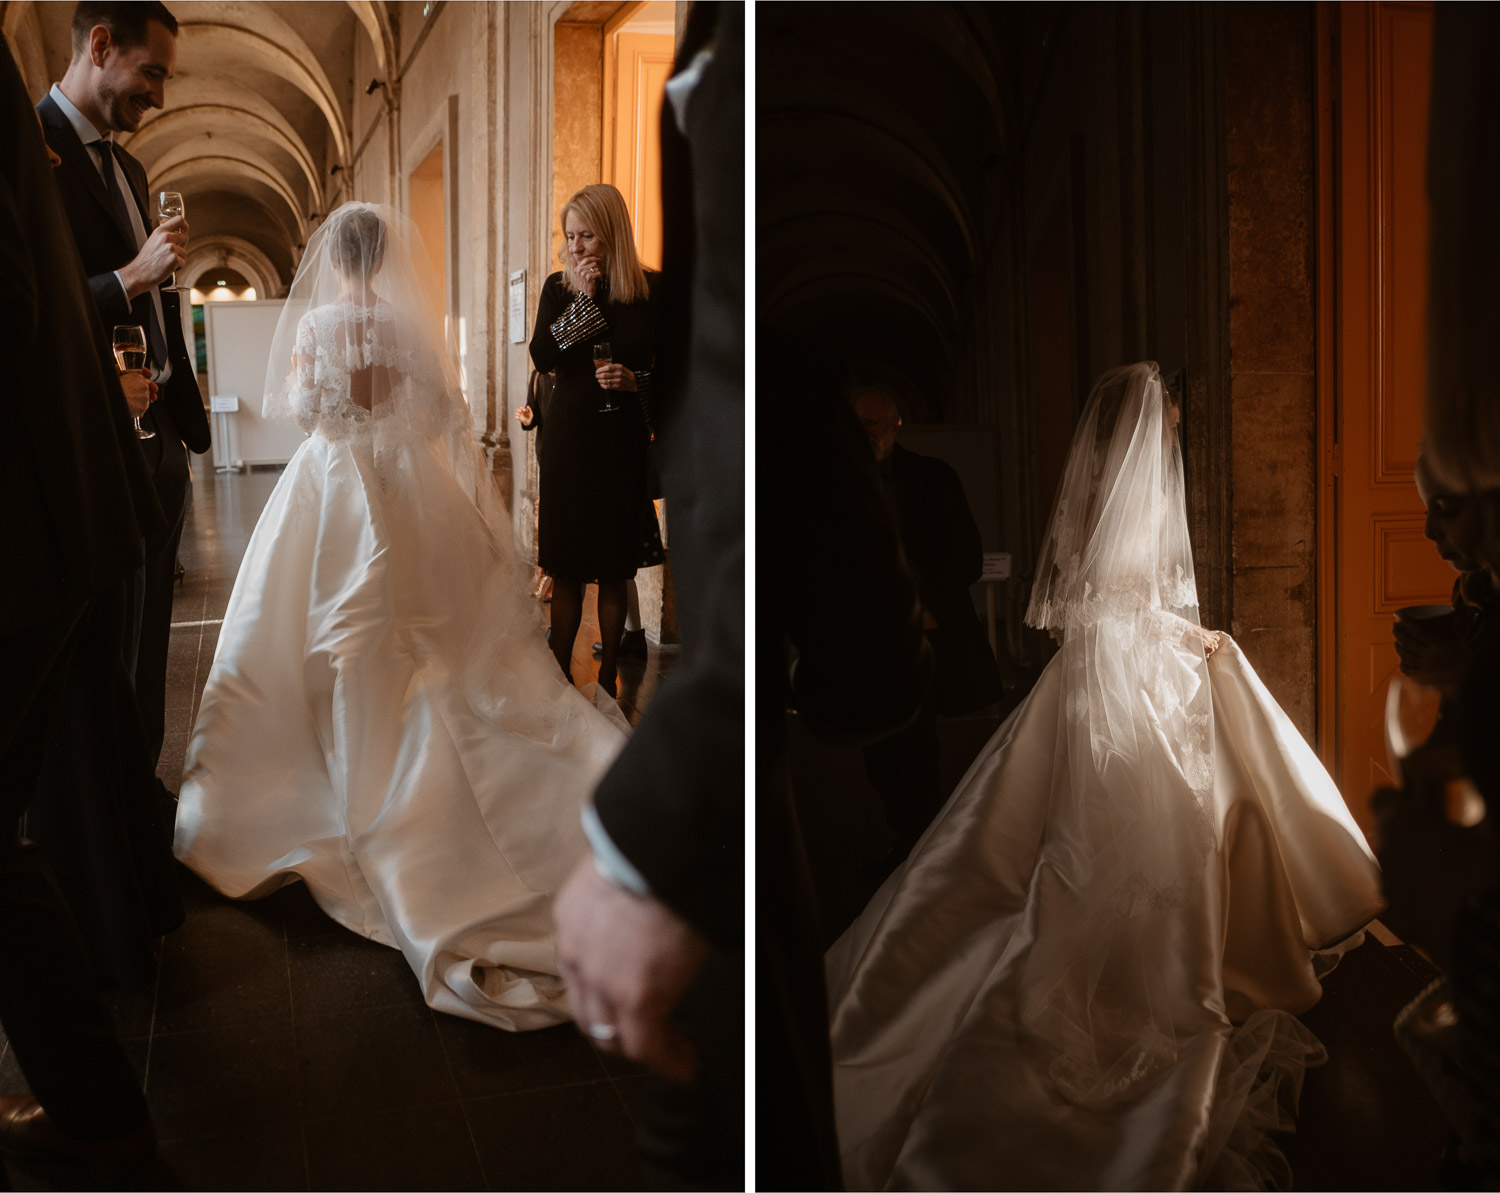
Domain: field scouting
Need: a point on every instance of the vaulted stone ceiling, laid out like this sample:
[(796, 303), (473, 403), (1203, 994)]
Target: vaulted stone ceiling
[(256, 129), (883, 136)]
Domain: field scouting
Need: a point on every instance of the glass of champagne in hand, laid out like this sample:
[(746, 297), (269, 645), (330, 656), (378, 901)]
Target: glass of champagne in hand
[(169, 205), (604, 355), (130, 357)]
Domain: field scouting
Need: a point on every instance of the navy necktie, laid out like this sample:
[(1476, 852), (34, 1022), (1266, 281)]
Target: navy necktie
[(143, 308)]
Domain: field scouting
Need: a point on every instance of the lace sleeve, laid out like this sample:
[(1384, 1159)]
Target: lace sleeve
[(1168, 626), (302, 389)]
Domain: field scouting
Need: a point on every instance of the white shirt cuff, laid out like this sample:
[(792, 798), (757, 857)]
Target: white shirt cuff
[(124, 293), (608, 859)]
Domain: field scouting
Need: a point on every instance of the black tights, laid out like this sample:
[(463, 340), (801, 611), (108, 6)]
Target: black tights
[(567, 615)]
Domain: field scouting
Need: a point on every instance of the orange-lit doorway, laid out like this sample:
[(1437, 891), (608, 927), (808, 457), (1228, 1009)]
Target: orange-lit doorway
[(638, 48), (610, 68), (1374, 81), (425, 201)]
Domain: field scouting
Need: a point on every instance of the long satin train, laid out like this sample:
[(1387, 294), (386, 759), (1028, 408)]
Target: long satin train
[(949, 1065), (383, 720)]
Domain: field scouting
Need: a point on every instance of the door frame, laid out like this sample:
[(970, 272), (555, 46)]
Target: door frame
[(1329, 653)]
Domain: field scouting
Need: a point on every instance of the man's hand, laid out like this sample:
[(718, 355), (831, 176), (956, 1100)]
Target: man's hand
[(162, 255), (523, 415), (140, 392), (627, 961)]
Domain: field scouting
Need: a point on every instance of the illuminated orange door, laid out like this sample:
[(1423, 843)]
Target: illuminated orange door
[(632, 159), (1373, 430)]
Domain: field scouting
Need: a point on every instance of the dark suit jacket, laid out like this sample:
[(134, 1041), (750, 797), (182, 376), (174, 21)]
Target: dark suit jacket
[(863, 667), (81, 497), (674, 800), (945, 554), (105, 245)]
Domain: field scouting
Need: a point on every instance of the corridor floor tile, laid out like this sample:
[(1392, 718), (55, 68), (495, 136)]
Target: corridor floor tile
[(269, 1159), (573, 1137), (382, 1058), (223, 1079), (485, 1061), (374, 1151), (222, 967), (338, 973)]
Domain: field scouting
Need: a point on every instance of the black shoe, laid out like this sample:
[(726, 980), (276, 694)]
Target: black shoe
[(632, 645), (609, 687), (27, 1133)]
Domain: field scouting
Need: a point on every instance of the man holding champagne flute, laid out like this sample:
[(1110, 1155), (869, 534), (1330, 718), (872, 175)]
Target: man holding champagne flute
[(123, 54), (100, 811)]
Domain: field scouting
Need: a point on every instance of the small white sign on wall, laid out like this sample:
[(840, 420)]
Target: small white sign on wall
[(518, 307), (996, 566)]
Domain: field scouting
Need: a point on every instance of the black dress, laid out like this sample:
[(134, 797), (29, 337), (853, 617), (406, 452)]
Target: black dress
[(591, 516)]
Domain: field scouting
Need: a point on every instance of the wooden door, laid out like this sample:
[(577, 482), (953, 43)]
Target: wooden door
[(642, 66), (1373, 392)]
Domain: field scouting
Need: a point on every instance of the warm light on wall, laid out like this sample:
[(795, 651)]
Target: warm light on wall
[(222, 293)]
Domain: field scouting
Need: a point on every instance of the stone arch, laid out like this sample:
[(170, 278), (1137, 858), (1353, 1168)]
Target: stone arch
[(238, 254), (156, 138), (377, 23), (267, 42), (198, 168)]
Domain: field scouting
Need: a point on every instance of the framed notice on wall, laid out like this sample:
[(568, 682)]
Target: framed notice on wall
[(518, 307)]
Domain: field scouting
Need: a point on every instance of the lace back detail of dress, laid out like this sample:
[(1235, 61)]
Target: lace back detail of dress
[(356, 375)]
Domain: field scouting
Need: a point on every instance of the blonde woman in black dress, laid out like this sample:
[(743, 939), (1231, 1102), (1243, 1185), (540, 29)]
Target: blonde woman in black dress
[(592, 525)]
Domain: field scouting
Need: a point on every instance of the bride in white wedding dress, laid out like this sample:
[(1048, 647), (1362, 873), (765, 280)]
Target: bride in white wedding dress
[(383, 718), (1086, 974)]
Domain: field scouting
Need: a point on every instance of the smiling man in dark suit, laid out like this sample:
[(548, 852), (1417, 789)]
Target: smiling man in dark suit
[(123, 55)]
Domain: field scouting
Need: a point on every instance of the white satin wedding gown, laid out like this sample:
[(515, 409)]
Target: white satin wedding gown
[(383, 718), (1085, 976)]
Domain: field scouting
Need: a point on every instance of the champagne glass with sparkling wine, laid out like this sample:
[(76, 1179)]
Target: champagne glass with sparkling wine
[(130, 357), (169, 205), (604, 355)]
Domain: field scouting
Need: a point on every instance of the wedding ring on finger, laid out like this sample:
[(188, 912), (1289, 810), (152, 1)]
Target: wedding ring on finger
[(603, 1032)]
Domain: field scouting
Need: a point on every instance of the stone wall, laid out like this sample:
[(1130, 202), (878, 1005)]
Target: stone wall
[(1272, 320)]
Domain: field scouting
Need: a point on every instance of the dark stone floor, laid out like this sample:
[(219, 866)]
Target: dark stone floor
[(279, 1051)]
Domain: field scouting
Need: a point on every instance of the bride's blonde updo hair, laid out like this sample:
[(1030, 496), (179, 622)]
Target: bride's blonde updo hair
[(357, 241), (602, 208)]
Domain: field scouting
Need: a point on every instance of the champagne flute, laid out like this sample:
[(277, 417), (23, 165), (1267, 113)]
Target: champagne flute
[(1412, 709), (169, 205), (130, 357), (604, 355), (1411, 714)]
